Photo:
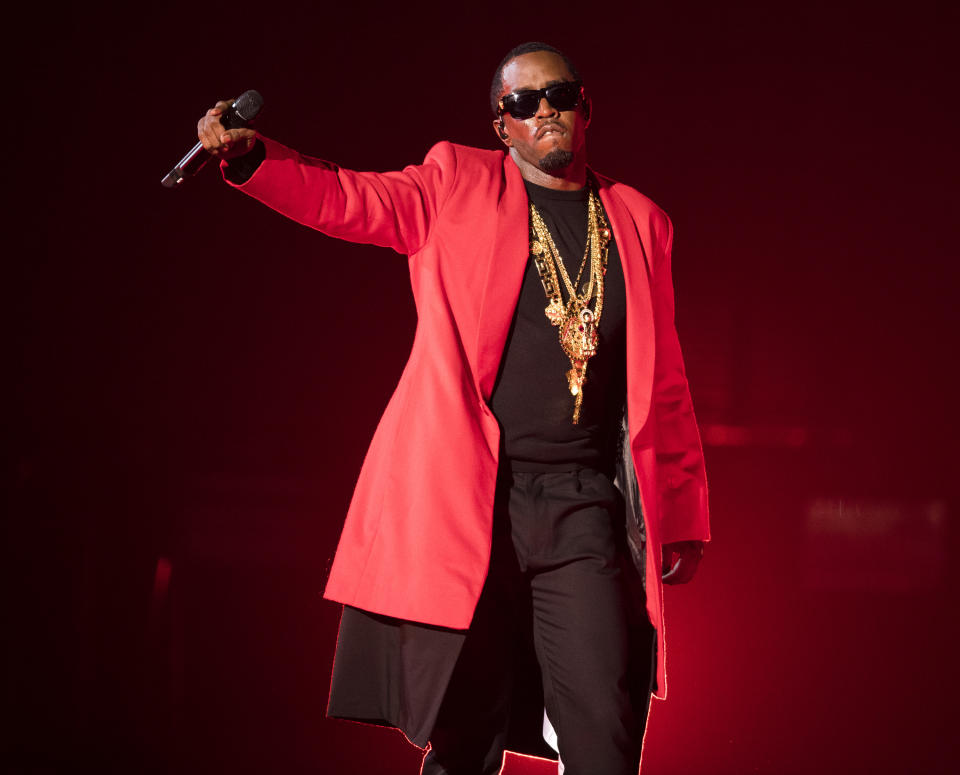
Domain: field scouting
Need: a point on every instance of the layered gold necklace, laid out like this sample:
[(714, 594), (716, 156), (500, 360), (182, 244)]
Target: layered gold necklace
[(577, 322)]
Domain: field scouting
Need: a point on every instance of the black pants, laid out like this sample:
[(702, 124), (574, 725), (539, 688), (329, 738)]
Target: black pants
[(557, 575)]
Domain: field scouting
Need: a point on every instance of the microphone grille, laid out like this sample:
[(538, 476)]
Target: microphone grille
[(248, 105)]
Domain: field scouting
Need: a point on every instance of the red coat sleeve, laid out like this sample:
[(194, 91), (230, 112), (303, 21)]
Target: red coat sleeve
[(681, 478), (389, 209)]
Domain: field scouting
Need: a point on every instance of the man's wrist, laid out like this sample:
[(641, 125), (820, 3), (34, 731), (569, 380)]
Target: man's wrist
[(240, 169)]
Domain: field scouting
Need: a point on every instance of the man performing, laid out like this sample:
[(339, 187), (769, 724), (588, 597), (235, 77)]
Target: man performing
[(537, 474)]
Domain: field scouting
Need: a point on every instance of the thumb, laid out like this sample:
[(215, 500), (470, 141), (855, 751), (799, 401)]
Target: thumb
[(234, 136), (238, 140)]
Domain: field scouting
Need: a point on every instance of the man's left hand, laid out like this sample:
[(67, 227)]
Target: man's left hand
[(680, 560)]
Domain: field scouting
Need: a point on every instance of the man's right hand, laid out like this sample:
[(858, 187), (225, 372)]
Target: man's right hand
[(223, 143)]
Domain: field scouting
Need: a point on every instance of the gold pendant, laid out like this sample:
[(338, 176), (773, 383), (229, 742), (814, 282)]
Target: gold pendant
[(579, 335), (554, 312)]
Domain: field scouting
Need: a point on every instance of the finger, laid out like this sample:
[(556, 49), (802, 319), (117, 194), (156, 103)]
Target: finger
[(237, 138), (236, 135), (684, 570), (676, 575), (668, 558), (209, 131), (669, 567), (209, 128), (218, 109), (670, 576)]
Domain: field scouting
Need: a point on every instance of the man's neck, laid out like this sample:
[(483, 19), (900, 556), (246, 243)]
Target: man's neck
[(568, 179)]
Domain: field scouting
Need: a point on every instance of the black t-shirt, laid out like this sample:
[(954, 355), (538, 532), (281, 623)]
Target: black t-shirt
[(531, 399)]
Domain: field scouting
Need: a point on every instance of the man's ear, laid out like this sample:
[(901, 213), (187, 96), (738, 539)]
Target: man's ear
[(501, 131), (587, 107)]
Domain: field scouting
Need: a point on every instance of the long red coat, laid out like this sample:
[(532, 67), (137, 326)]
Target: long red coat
[(416, 541)]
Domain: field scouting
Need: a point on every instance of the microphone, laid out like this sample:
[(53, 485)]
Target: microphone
[(238, 116)]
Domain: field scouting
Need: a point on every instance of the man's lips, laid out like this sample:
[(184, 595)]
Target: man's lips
[(549, 128)]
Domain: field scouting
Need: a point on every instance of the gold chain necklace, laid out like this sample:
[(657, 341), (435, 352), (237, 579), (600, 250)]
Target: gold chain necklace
[(576, 321)]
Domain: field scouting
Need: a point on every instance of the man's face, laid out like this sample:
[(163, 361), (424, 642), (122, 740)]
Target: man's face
[(551, 138)]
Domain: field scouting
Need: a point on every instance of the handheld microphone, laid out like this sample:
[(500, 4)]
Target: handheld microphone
[(238, 116)]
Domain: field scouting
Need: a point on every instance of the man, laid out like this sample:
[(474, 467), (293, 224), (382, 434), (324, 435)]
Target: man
[(485, 562)]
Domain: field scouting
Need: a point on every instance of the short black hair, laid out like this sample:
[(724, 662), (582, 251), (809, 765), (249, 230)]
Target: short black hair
[(496, 86)]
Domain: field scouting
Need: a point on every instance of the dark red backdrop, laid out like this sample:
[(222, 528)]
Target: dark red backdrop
[(195, 380)]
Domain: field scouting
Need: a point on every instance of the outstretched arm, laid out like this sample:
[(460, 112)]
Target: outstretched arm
[(392, 209)]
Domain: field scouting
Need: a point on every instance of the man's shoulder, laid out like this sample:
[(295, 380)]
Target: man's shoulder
[(465, 157)]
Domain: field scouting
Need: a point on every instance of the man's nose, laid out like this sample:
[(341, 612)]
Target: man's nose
[(545, 109)]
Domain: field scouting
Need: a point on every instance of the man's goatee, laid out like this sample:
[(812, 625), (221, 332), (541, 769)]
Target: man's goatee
[(556, 161)]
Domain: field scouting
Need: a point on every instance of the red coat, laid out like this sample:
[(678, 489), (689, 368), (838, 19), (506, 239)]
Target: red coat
[(416, 541)]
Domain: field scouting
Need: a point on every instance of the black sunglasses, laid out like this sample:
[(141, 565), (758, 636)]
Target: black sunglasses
[(525, 104)]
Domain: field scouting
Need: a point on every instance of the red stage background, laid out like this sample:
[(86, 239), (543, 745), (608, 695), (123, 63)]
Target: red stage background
[(195, 379)]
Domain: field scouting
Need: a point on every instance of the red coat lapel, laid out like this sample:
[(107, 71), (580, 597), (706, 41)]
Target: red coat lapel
[(504, 277), (640, 332)]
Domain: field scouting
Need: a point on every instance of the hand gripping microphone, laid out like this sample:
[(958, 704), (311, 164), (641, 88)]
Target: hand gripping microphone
[(238, 116)]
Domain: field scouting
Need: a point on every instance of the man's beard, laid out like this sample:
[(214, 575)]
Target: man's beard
[(556, 161)]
